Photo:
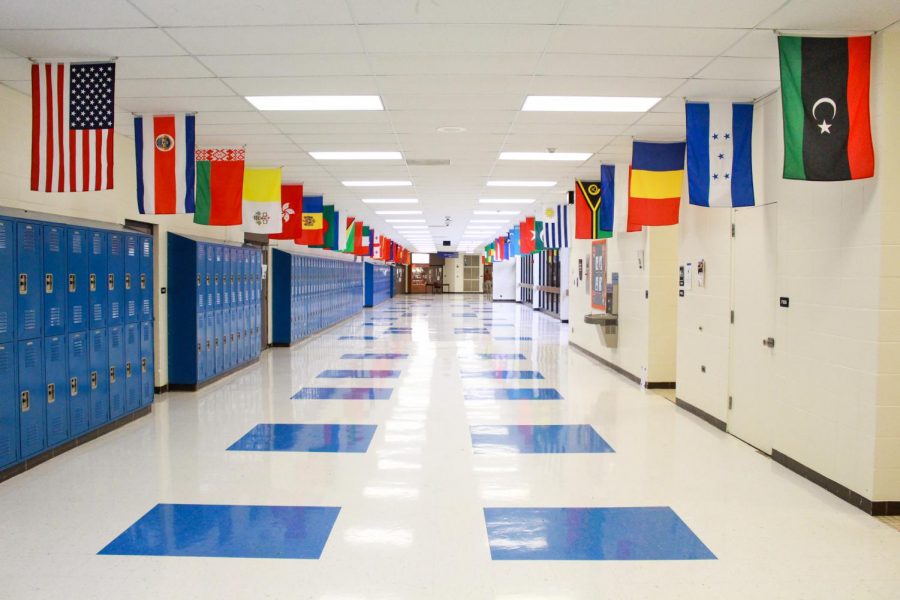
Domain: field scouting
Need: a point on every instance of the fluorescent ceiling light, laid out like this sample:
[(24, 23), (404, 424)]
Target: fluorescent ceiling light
[(569, 156), (404, 220), (589, 103), (356, 155), (398, 212), (521, 183), (496, 212), (316, 102), (410, 227), (377, 183), (506, 200), (390, 200), (489, 221)]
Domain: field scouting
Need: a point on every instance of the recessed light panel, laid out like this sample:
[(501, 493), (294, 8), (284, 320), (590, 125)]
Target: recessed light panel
[(506, 200), (377, 183), (515, 183), (496, 212), (356, 155), (391, 200), (588, 103), (316, 102), (556, 156)]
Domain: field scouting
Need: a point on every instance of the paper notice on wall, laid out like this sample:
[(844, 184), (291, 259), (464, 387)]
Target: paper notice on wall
[(688, 269)]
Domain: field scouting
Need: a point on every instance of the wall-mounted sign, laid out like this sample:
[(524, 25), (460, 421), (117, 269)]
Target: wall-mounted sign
[(598, 274)]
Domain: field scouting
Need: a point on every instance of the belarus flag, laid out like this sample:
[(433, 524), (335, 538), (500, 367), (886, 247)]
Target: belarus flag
[(164, 148)]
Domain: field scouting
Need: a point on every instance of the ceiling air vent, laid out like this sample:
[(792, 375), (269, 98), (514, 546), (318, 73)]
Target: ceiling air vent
[(428, 162)]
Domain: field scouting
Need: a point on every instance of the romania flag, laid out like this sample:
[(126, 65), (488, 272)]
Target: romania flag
[(654, 183)]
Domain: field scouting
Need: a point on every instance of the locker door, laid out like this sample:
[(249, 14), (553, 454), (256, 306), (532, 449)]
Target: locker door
[(220, 347), (116, 372), (210, 275), (146, 277), (132, 282), (9, 406), (147, 371), (242, 334), (217, 277), (201, 346), (210, 343), (226, 346), (234, 337), (32, 399), (7, 287), (54, 280), (115, 279), (77, 280), (98, 266), (98, 378), (29, 316), (132, 367), (226, 274), (201, 277), (56, 384), (78, 384)]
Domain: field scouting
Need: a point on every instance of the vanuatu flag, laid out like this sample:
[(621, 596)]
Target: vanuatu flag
[(220, 183), (595, 204), (825, 99)]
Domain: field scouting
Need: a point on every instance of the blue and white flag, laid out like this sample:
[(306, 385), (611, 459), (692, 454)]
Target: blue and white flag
[(719, 161), (556, 228)]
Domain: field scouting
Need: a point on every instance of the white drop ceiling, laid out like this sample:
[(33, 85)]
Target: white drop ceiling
[(435, 63)]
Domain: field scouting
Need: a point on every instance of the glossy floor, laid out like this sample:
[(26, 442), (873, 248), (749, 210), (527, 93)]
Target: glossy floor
[(543, 512)]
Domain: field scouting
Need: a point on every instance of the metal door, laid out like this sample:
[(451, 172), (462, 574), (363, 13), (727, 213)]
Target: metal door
[(98, 266), (132, 281), (32, 399), (29, 316), (77, 280), (54, 280), (132, 367), (116, 372), (148, 373), (9, 406), (56, 384), (78, 383), (98, 378), (115, 277)]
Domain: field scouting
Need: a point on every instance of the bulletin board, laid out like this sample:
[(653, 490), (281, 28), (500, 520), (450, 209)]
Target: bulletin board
[(598, 274)]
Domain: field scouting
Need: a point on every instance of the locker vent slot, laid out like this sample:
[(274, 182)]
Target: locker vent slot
[(4, 322), (115, 245), (98, 311), (31, 356), (54, 349), (56, 316), (4, 236), (146, 307), (114, 311), (4, 360), (54, 239), (97, 244), (131, 247), (77, 314), (131, 308), (77, 242), (28, 239), (29, 319)]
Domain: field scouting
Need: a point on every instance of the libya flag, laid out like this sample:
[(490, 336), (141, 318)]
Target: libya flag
[(825, 99)]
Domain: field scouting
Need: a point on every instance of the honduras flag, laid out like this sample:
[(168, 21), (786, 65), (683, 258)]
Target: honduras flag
[(719, 162)]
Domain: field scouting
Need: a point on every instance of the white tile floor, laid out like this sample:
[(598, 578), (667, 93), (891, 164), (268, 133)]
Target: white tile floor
[(411, 524)]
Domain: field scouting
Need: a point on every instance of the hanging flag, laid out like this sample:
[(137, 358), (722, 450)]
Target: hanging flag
[(515, 248), (556, 228), (262, 201), (595, 204), (526, 236), (489, 253), (343, 234), (291, 206), (719, 162), (312, 227), (164, 148), (539, 245), (361, 247), (329, 237), (72, 120), (353, 236), (655, 179), (220, 184), (825, 101)]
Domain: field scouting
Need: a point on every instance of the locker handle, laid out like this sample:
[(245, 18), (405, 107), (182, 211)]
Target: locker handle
[(93, 282), (144, 281), (48, 283), (199, 348), (127, 281), (26, 401), (73, 386), (143, 365), (112, 374), (111, 281), (198, 280), (127, 370), (207, 344), (51, 393), (71, 282), (93, 380), (207, 280), (23, 283)]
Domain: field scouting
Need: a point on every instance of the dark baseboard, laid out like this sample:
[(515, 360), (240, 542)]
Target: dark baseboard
[(878, 509), (193, 387), (698, 412), (282, 344), (161, 389), (607, 364), (504, 300), (563, 320), (660, 385), (46, 455)]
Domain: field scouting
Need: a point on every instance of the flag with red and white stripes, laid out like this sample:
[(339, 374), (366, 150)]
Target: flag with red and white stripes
[(72, 120)]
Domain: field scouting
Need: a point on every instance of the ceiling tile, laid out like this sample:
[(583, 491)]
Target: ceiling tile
[(76, 43), (457, 11), (454, 64), (656, 132), (183, 104), (299, 86), (15, 69), (444, 84), (344, 129), (452, 102), (603, 86), (287, 65), (178, 13), (653, 13), (760, 69), (611, 65), (150, 88), (835, 15), (314, 116), (155, 67), (236, 129), (250, 115), (377, 140), (320, 39), (455, 38), (672, 104), (652, 118), (642, 40), (756, 44), (713, 89), (65, 14)]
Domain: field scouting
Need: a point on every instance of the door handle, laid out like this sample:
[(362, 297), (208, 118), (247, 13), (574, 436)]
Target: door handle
[(769, 342)]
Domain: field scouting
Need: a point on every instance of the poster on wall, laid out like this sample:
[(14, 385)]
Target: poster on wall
[(598, 275)]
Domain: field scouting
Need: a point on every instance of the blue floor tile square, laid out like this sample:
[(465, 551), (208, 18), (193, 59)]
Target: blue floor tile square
[(375, 355), (500, 374), (291, 437), (228, 531), (513, 394), (537, 439), (501, 356), (359, 374), (343, 393), (630, 533)]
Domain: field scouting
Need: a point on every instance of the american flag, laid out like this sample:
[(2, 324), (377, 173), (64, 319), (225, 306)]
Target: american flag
[(72, 126)]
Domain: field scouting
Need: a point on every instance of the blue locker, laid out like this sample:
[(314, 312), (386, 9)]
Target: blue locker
[(132, 279), (54, 280), (132, 366), (220, 345), (211, 343), (202, 283), (7, 287), (57, 386), (226, 274), (79, 388), (210, 276), (98, 266), (99, 377), (77, 312), (147, 371), (201, 346), (32, 400), (116, 371), (29, 316), (115, 279), (217, 276), (146, 278), (9, 406), (234, 336)]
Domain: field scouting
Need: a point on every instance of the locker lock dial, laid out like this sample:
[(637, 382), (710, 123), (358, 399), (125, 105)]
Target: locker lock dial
[(93, 282), (48, 283), (26, 401), (73, 386), (51, 393), (23, 283), (71, 282), (127, 281), (111, 281)]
